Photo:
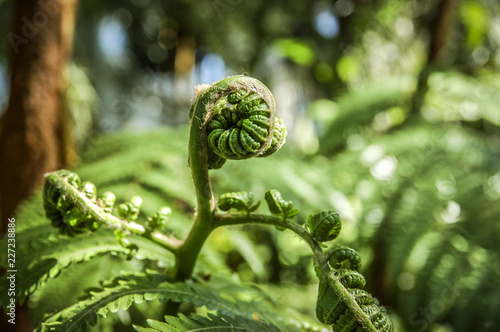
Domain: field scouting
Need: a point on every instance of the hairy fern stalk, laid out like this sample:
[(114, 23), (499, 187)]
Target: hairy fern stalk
[(234, 119)]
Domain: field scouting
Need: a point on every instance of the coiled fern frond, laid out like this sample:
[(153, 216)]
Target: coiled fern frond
[(342, 301), (61, 209), (239, 114), (74, 208)]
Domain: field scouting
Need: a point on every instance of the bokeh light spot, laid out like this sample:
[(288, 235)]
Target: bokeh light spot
[(326, 24)]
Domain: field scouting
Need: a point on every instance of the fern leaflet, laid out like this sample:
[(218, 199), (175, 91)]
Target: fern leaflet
[(42, 259), (210, 323)]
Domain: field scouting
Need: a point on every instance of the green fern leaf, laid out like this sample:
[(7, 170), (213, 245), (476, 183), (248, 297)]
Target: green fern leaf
[(124, 291), (231, 300), (211, 323), (45, 258)]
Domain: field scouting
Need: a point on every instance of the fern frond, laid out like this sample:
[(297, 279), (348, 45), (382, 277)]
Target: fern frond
[(30, 214), (221, 295), (124, 291), (436, 211), (357, 109), (44, 258), (210, 323), (107, 145)]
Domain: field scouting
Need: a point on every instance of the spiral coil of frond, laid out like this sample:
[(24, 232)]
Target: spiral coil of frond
[(342, 288), (240, 120), (62, 210)]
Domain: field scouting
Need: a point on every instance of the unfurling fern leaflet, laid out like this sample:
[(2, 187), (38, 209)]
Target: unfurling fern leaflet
[(74, 208), (62, 209), (130, 210), (160, 218), (240, 120), (341, 289), (341, 254), (240, 201), (324, 226), (278, 206)]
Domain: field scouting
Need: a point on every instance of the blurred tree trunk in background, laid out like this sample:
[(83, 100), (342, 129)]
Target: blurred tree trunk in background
[(441, 29), (441, 33), (33, 135)]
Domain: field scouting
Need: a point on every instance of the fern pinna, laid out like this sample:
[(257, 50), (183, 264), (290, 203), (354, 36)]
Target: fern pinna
[(231, 119)]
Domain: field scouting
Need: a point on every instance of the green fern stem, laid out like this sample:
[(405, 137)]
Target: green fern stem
[(229, 219), (323, 269), (244, 127)]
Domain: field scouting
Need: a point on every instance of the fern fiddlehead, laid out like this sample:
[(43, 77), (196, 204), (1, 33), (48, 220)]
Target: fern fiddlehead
[(342, 301), (240, 116), (62, 210), (74, 208), (231, 119)]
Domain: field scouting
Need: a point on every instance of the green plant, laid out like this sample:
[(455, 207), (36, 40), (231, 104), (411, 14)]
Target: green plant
[(232, 119)]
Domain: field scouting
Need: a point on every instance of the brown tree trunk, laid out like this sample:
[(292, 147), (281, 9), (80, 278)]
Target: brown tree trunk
[(32, 135), (441, 32)]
